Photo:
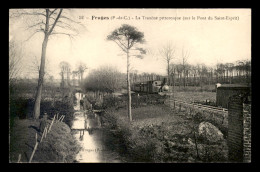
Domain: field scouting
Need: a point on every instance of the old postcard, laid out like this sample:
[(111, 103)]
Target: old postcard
[(129, 85)]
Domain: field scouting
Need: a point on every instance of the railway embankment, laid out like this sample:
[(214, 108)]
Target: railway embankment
[(202, 113)]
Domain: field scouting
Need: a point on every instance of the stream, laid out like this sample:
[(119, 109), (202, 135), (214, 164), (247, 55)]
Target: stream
[(86, 128)]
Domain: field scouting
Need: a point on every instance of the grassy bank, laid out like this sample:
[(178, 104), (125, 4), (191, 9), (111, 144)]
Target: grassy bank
[(58, 146)]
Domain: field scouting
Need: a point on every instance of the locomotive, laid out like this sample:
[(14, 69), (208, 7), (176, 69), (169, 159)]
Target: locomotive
[(154, 86)]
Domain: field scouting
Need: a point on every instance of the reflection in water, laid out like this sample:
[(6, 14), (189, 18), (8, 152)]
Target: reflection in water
[(89, 152), (77, 106), (91, 142)]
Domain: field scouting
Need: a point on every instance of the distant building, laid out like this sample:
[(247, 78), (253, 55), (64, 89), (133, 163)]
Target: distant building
[(223, 92)]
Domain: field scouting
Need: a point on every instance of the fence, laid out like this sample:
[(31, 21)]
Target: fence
[(218, 115)]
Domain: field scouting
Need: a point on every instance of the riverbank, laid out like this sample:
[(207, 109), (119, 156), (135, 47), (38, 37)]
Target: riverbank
[(58, 146)]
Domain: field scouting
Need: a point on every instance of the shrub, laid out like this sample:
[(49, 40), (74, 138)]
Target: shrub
[(64, 108), (138, 147), (23, 108)]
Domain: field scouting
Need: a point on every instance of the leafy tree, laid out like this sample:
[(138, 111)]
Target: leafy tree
[(126, 37)]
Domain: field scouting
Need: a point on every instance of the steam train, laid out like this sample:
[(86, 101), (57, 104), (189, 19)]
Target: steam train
[(150, 87)]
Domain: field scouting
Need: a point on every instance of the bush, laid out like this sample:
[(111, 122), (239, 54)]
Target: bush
[(154, 143), (130, 142), (23, 108), (175, 147)]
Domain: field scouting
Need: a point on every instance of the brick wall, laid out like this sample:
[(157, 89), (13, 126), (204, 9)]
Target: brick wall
[(247, 132), (239, 130)]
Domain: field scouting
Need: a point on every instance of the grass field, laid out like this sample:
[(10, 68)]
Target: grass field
[(189, 96), (208, 88), (149, 115)]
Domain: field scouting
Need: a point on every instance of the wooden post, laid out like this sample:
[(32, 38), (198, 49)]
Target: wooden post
[(35, 147), (62, 118), (59, 119), (51, 123), (19, 158), (196, 145), (43, 134), (46, 130), (57, 116)]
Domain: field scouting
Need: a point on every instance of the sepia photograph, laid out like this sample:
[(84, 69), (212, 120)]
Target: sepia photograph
[(130, 85)]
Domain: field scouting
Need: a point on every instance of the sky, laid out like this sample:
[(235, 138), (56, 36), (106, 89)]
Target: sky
[(209, 35)]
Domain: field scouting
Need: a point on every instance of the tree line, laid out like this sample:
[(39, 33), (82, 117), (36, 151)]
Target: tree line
[(184, 74), (109, 79), (201, 74)]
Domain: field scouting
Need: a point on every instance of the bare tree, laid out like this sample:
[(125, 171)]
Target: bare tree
[(247, 67), (74, 75), (49, 22), (172, 73), (65, 70), (179, 70), (204, 73), (34, 66), (210, 75), (194, 73), (231, 70), (184, 56), (126, 37), (81, 68), (167, 52), (15, 57), (199, 72)]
